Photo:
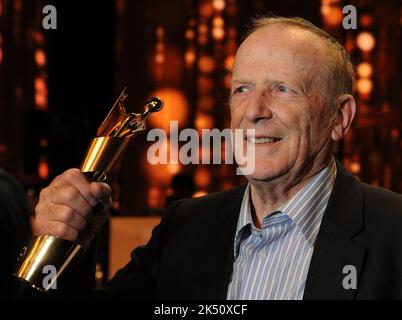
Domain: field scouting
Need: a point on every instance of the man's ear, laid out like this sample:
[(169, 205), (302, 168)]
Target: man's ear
[(346, 110)]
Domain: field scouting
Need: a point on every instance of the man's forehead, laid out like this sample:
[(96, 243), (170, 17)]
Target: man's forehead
[(281, 36), (275, 44)]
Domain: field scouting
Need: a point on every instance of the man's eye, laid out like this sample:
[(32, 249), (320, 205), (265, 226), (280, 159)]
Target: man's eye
[(283, 89), (241, 89)]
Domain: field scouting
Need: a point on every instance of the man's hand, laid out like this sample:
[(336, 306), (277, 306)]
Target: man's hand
[(65, 206)]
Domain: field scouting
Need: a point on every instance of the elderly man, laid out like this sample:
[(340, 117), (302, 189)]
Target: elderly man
[(303, 228)]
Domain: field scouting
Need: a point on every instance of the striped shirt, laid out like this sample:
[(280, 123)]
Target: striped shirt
[(272, 263)]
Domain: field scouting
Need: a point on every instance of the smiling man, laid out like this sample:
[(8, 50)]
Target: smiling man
[(303, 228)]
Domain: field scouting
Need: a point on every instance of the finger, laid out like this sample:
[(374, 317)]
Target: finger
[(101, 190), (55, 229), (70, 196), (77, 179), (65, 214)]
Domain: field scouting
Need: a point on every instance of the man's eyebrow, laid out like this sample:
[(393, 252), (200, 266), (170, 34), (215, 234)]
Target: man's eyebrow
[(236, 81)]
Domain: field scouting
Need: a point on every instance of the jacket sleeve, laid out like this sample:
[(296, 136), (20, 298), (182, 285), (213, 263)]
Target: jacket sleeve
[(138, 279)]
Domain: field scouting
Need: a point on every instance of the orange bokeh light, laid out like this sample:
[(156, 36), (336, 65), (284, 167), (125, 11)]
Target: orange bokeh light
[(204, 121), (229, 61), (43, 168), (189, 34), (364, 86), (202, 178), (41, 100), (175, 108), (365, 41), (366, 20), (332, 15), (206, 64), (190, 58), (364, 70), (40, 84), (218, 5), (40, 58), (218, 22), (218, 33)]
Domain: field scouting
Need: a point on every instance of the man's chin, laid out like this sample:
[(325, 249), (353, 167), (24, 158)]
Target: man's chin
[(263, 176)]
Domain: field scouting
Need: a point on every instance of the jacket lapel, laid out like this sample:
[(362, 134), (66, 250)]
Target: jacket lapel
[(215, 272), (335, 247)]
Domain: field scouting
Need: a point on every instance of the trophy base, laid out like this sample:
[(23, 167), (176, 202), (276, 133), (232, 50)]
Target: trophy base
[(44, 260)]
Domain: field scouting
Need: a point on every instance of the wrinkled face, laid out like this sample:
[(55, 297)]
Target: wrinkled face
[(276, 91)]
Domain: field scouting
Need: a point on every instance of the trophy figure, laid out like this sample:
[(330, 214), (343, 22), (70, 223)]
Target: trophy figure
[(113, 137)]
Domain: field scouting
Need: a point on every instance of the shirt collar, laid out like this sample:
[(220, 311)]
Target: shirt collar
[(305, 208)]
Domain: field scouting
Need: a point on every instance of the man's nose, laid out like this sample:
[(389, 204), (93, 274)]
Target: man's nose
[(258, 107)]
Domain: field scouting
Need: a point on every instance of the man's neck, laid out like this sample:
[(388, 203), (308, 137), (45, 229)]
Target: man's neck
[(269, 196)]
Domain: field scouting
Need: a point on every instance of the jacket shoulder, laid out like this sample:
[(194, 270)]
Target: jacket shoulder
[(213, 200), (383, 203)]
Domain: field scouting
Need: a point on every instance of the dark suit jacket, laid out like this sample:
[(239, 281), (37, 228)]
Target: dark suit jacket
[(190, 254), (15, 230)]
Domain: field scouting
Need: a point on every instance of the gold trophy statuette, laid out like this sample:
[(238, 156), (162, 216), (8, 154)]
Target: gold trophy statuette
[(113, 137)]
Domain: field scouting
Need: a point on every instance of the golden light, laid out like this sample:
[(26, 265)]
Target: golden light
[(366, 20), (160, 46), (206, 9), (1, 55), (218, 33), (218, 22), (229, 61), (218, 5), (160, 32), (200, 193), (202, 178), (202, 39), (354, 167), (189, 34), (325, 10), (204, 84), (204, 121), (226, 185), (173, 168), (206, 64), (364, 70), (365, 41), (43, 168), (41, 100), (154, 197), (40, 58), (227, 81), (159, 58), (349, 43), (202, 29), (40, 84), (161, 174), (189, 57), (332, 15), (38, 37), (206, 103), (175, 108), (364, 86)]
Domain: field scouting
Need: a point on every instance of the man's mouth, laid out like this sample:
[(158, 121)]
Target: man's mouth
[(263, 140)]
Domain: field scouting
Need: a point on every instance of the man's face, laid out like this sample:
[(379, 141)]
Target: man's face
[(275, 90)]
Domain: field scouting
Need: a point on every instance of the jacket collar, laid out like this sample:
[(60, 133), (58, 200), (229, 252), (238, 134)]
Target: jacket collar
[(335, 247)]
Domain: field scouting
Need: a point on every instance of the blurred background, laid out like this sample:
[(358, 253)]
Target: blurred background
[(56, 86)]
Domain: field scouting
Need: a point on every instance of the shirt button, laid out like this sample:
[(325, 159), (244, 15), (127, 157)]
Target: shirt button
[(263, 255)]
